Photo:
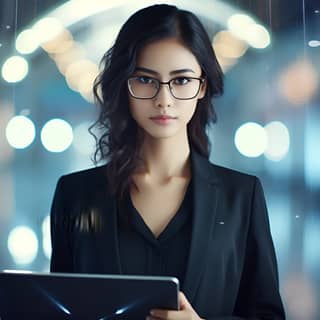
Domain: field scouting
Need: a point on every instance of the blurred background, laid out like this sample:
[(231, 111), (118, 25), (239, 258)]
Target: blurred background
[(268, 118)]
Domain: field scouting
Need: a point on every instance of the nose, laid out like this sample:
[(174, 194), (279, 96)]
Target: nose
[(164, 97)]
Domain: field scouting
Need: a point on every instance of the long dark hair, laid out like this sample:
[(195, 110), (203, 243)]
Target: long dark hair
[(119, 141)]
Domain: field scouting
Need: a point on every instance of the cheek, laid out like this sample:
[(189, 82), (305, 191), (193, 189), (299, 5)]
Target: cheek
[(188, 111), (138, 109)]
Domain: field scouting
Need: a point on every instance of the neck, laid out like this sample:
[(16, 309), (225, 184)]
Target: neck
[(166, 158)]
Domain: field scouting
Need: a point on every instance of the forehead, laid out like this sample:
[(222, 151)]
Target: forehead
[(167, 55)]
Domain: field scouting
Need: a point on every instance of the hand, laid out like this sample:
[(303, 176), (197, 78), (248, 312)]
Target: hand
[(186, 312)]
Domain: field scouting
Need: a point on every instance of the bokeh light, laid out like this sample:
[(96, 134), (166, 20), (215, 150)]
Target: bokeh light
[(314, 43), (299, 82), (258, 36), (228, 49), (238, 24), (59, 44), (81, 74), (47, 29), (15, 69), (23, 245), (229, 46), (27, 42), (251, 139), (64, 59), (244, 27), (278, 140), (56, 135), (20, 132)]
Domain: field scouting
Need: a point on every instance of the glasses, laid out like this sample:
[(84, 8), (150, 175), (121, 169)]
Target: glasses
[(182, 88)]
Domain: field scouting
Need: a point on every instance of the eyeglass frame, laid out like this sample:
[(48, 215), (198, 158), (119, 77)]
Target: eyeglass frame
[(201, 81)]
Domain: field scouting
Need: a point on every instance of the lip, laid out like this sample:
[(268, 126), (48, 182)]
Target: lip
[(163, 120)]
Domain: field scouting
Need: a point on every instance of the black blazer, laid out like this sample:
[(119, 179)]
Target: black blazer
[(231, 271)]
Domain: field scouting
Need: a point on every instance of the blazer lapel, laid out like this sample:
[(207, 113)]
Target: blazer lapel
[(205, 195)]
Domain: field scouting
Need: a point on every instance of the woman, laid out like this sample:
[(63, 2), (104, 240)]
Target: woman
[(159, 207)]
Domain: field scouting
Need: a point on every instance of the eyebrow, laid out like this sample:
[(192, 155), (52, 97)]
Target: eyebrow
[(157, 73)]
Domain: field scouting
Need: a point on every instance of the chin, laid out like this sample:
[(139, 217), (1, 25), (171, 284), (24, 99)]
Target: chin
[(157, 134)]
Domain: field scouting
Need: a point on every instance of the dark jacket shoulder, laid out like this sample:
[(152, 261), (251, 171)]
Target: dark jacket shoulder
[(87, 176), (223, 176)]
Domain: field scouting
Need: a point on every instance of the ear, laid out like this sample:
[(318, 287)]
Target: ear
[(203, 89)]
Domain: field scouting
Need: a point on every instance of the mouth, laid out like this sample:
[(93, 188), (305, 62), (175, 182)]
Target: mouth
[(163, 120)]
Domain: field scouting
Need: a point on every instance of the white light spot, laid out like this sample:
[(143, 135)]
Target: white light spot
[(23, 245), (120, 311), (258, 36), (15, 69), (245, 28), (47, 29), (20, 132), (314, 43), (27, 41), (251, 139), (56, 135), (238, 23), (278, 141)]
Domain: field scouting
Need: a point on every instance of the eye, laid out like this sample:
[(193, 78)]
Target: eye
[(181, 81), (145, 80)]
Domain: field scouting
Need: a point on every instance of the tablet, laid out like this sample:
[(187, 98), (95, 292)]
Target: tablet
[(36, 296)]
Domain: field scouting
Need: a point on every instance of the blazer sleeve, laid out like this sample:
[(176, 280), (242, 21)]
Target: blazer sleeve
[(258, 296), (61, 260)]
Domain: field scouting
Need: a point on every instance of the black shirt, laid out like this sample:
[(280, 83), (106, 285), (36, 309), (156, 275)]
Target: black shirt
[(141, 253)]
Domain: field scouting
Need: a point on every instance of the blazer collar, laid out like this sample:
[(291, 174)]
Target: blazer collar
[(203, 169)]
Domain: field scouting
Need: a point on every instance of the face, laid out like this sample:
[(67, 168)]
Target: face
[(164, 116)]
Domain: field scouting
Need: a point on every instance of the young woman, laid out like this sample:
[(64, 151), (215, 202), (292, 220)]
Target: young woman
[(159, 207)]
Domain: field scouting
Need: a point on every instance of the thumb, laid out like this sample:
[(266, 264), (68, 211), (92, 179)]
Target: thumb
[(183, 301)]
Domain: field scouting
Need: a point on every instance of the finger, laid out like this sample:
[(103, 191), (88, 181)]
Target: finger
[(172, 314)]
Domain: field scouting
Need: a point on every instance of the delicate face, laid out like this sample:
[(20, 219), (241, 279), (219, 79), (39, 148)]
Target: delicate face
[(164, 116)]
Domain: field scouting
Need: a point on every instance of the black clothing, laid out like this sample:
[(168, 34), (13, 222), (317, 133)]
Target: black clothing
[(141, 253)]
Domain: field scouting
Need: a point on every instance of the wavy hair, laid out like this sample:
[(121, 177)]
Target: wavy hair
[(119, 141)]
